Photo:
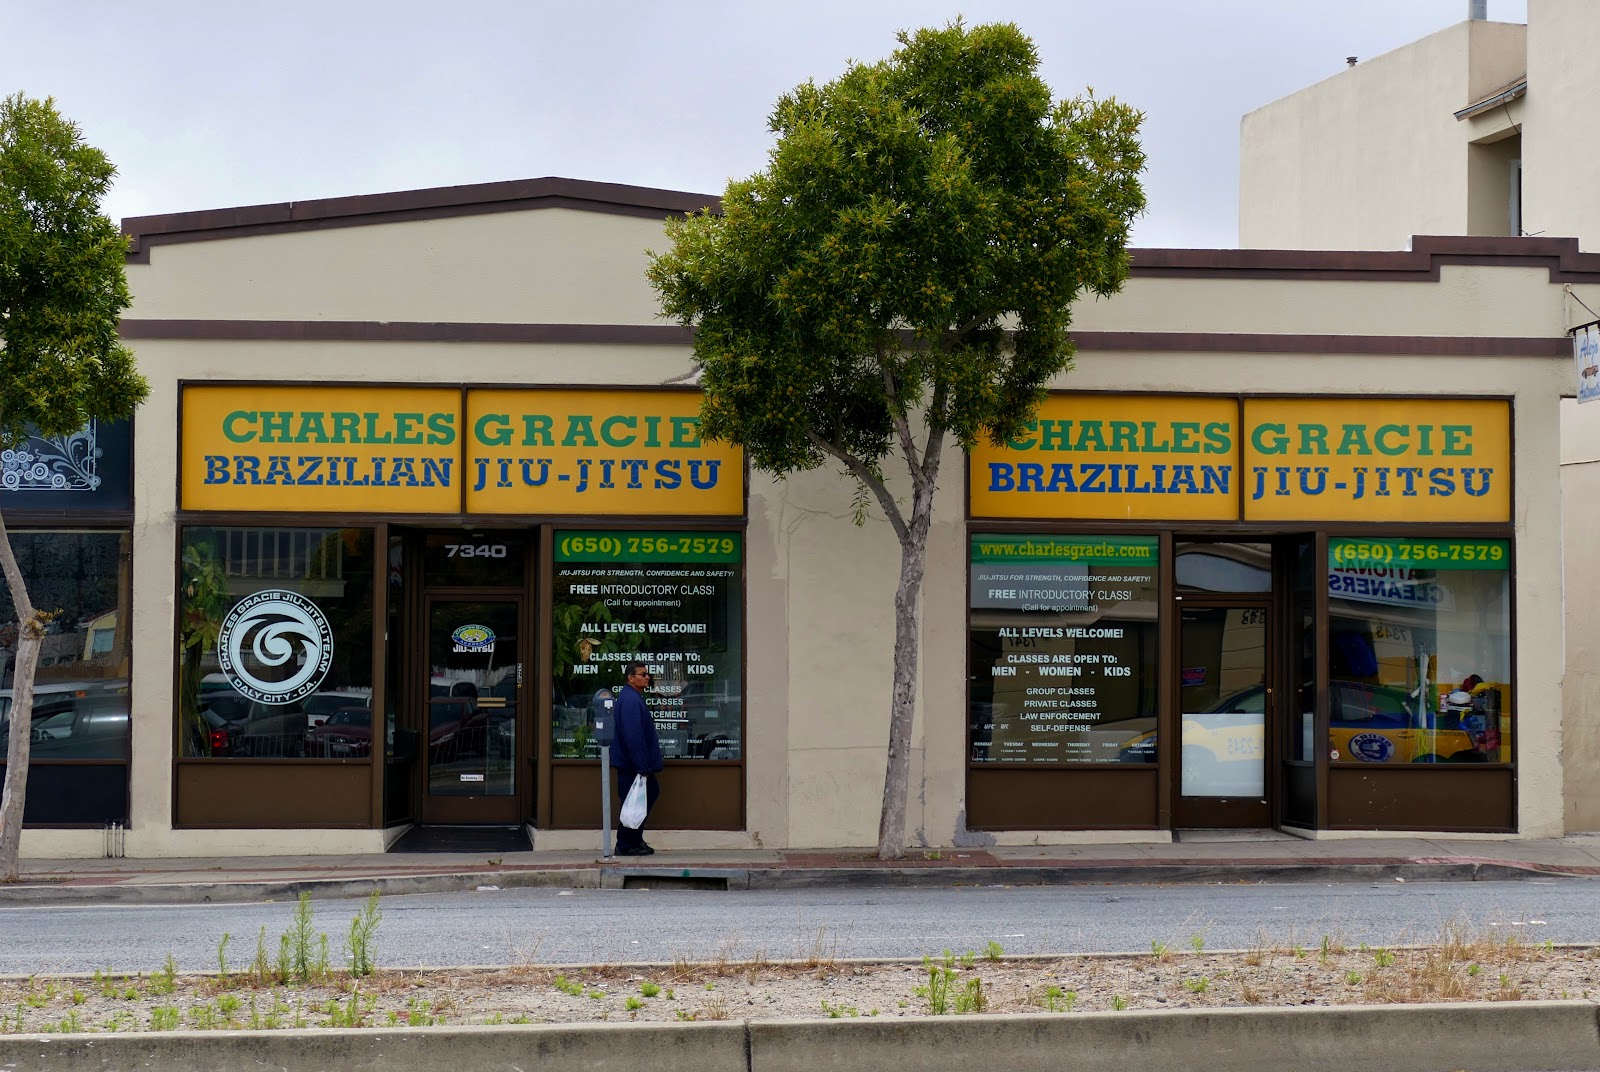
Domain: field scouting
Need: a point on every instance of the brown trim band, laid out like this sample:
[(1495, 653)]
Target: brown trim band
[(1422, 345), (406, 205), (675, 335), (407, 331), (1421, 263)]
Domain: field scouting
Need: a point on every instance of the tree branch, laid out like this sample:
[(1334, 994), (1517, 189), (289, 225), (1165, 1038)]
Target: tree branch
[(936, 430), (861, 472), (902, 427)]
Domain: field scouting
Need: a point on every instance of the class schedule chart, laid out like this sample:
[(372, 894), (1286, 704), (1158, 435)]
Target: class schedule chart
[(1062, 648)]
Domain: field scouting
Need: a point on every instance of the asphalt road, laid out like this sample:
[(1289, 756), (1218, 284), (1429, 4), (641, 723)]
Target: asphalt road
[(497, 927)]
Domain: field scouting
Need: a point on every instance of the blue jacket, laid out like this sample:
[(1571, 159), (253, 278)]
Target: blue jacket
[(636, 747)]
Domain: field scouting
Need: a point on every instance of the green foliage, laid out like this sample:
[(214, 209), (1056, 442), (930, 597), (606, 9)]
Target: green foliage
[(937, 990), (261, 967), (918, 237), (839, 1012), (165, 981), (1118, 1002), (359, 943), (649, 990), (297, 943), (62, 287), (222, 959), (971, 998), (165, 1018), (993, 952), (633, 1004), (909, 257), (1197, 985)]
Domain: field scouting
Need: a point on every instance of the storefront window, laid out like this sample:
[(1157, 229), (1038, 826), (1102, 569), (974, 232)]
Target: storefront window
[(669, 599), (1419, 651), (275, 630), (80, 700), (1063, 649)]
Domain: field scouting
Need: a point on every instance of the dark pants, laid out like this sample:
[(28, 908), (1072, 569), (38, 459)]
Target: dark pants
[(626, 838)]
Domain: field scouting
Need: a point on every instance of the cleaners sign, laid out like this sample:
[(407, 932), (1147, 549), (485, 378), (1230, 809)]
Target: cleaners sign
[(1139, 458), (422, 450)]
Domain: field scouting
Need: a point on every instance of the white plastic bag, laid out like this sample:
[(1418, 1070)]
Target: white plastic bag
[(635, 804)]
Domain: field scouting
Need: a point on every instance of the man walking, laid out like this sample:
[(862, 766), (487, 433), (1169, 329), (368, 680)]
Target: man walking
[(635, 751)]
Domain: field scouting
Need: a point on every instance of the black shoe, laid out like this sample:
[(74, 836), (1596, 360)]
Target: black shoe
[(636, 850)]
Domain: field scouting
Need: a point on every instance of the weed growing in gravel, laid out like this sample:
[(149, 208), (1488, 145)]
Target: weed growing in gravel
[(358, 945), (993, 952), (971, 998), (649, 990), (937, 990)]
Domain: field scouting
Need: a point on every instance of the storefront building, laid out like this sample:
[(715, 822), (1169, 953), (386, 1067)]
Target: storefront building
[(1309, 597), (419, 471)]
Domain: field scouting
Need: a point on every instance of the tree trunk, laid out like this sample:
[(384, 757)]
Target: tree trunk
[(30, 636), (913, 561)]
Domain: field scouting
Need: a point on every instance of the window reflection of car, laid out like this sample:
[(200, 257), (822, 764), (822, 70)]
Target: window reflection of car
[(345, 734), (75, 720), (1370, 723), (456, 728), (320, 705)]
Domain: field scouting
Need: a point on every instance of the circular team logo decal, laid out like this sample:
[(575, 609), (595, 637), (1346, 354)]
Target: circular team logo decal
[(473, 638), (281, 629), (1371, 747)]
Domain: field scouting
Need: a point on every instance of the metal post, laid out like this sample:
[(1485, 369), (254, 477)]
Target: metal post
[(605, 801), (605, 727)]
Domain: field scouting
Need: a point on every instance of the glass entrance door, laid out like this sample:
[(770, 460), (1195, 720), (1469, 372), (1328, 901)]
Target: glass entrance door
[(1225, 711), (474, 693)]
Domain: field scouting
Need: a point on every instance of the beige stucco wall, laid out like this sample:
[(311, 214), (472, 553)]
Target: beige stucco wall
[(820, 589), (1373, 155), (553, 266), (1560, 167)]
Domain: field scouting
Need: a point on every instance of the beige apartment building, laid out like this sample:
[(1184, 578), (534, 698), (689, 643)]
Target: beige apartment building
[(419, 470), (1475, 130)]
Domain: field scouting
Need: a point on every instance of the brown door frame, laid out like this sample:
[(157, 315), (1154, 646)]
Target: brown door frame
[(1190, 813)]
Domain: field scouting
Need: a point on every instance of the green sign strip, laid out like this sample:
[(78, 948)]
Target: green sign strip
[(1349, 554), (1087, 550), (595, 546)]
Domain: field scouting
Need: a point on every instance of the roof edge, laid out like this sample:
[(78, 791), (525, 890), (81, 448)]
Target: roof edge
[(430, 203)]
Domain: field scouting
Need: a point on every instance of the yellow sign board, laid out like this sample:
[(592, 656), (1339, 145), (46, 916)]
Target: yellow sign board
[(1115, 457), (1377, 459), (429, 450), (584, 452), (266, 447)]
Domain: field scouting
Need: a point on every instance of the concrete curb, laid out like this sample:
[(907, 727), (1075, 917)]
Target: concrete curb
[(767, 878), (1503, 1036)]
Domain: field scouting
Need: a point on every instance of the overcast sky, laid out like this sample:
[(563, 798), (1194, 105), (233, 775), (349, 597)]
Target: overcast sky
[(216, 104)]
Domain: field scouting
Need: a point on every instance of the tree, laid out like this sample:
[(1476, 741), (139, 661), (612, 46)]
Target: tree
[(62, 291), (904, 269)]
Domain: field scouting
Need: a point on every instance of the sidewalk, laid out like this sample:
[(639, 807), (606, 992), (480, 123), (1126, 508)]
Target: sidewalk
[(1199, 857)]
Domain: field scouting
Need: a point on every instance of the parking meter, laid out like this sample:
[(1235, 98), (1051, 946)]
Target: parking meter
[(603, 724), (602, 717)]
